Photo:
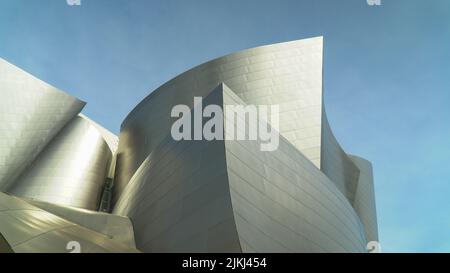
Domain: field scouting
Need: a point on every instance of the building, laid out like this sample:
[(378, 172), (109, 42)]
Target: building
[(308, 195)]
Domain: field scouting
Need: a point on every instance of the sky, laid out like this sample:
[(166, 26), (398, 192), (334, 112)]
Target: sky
[(386, 78)]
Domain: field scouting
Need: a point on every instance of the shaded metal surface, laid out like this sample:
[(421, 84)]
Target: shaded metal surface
[(118, 228), (280, 201), (336, 164), (31, 114), (283, 203), (71, 170), (4, 246), (184, 196), (27, 228), (364, 202), (49, 152), (179, 199), (228, 196), (288, 74)]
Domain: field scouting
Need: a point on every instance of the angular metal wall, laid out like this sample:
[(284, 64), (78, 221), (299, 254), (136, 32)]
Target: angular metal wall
[(179, 199), (201, 196), (364, 202), (50, 152), (31, 114), (115, 227), (288, 74), (336, 164), (192, 196), (283, 203), (29, 229), (71, 170)]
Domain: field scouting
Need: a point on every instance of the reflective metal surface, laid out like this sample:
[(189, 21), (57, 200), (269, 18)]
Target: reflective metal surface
[(225, 196), (288, 74), (184, 196), (179, 198), (50, 152), (118, 228), (364, 202), (336, 164), (31, 114), (27, 228), (283, 203), (181, 195), (71, 170), (4, 246)]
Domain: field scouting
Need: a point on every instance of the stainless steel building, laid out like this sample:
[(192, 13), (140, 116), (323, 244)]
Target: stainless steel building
[(308, 195), (56, 162)]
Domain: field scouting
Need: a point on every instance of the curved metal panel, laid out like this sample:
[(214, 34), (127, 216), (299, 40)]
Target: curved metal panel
[(288, 74), (336, 164), (71, 170), (188, 196), (31, 114), (179, 200), (364, 203), (111, 139), (283, 203), (201, 196), (27, 228), (116, 227)]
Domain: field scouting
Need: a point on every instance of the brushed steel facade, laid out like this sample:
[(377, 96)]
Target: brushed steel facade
[(299, 198), (288, 74), (336, 164), (31, 114), (71, 170), (120, 229), (308, 195), (50, 152), (228, 196), (28, 229), (364, 202)]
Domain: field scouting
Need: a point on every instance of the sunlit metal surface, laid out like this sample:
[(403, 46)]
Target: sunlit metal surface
[(228, 196), (111, 139), (288, 74), (71, 170), (31, 114), (116, 227), (27, 228), (192, 196), (283, 203)]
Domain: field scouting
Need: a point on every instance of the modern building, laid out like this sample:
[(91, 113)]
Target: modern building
[(145, 191)]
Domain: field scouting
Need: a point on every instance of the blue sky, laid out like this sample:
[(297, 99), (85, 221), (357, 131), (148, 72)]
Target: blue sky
[(387, 77)]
